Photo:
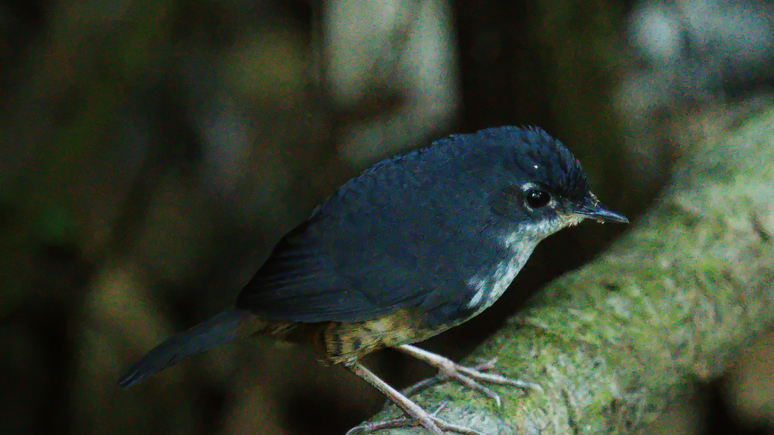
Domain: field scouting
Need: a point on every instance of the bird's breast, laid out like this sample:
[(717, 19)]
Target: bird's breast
[(490, 284)]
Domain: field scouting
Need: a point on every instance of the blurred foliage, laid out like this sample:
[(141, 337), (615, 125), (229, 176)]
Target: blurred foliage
[(153, 152)]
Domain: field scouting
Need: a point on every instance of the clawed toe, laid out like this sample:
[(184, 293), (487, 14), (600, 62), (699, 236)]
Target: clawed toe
[(494, 378), (470, 377), (472, 384)]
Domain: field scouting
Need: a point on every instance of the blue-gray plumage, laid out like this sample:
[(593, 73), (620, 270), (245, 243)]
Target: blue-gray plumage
[(412, 231), (414, 245)]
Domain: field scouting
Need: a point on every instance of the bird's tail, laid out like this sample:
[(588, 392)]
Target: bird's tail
[(224, 327)]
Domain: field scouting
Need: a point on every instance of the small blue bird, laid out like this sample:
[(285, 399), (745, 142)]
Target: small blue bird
[(413, 246)]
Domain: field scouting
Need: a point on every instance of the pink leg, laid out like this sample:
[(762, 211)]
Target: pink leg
[(467, 376), (414, 413)]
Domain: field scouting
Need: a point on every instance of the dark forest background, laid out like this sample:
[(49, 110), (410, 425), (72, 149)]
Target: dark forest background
[(152, 153)]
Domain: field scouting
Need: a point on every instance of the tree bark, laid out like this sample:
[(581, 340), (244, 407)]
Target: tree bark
[(672, 301)]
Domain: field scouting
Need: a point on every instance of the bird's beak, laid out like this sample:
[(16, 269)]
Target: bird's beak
[(592, 208)]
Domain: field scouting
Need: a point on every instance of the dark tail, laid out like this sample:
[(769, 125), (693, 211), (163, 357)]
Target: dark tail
[(224, 327)]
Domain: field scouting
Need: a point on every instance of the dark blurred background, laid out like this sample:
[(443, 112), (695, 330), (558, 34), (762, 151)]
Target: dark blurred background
[(152, 153)]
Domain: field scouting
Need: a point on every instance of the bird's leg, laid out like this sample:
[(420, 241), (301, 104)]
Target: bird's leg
[(414, 413), (429, 382), (467, 376)]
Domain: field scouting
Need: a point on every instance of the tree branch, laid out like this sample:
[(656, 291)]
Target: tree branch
[(672, 301)]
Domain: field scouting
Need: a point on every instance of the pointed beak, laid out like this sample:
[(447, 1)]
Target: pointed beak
[(592, 208)]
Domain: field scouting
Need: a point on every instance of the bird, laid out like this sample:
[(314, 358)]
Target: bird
[(416, 244)]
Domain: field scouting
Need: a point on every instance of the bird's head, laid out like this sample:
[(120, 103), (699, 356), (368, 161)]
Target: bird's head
[(544, 187)]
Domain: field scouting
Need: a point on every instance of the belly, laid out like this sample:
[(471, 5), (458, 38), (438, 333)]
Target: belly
[(347, 342)]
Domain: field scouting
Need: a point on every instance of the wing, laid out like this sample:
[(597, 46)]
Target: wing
[(310, 278), (301, 282), (404, 234)]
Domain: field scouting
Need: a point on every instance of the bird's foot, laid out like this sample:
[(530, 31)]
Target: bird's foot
[(415, 415), (429, 421), (470, 377)]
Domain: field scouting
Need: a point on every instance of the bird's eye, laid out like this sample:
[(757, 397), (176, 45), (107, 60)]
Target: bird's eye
[(538, 198)]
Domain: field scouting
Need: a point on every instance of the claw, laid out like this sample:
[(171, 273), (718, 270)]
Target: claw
[(467, 376)]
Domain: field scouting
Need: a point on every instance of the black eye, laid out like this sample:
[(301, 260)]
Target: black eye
[(538, 198)]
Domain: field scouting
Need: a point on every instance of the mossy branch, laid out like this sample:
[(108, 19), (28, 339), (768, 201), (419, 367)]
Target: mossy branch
[(672, 301)]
